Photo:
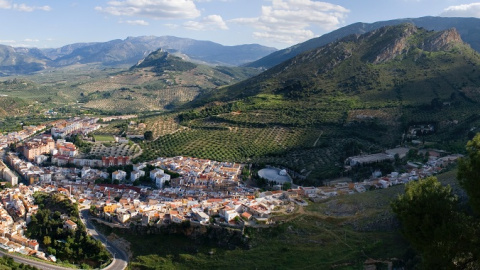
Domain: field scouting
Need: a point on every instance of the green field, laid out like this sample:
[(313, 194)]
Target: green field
[(104, 138)]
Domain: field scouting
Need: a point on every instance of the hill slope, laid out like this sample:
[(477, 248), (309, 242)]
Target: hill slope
[(21, 60), (159, 82), (466, 27), (356, 95)]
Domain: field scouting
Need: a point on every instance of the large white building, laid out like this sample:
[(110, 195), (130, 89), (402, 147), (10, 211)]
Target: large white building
[(161, 179), (10, 177), (119, 175)]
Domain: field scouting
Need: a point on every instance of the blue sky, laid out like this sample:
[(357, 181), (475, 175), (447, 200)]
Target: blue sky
[(276, 23)]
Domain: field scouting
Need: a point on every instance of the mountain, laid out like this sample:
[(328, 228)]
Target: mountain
[(161, 81), (466, 27), (21, 60), (125, 52), (358, 95), (161, 61)]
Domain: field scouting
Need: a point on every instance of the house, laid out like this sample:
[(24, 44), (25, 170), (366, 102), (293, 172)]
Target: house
[(177, 218), (119, 175), (136, 174), (228, 213), (123, 215), (70, 225), (33, 244), (155, 172), (161, 179), (246, 216)]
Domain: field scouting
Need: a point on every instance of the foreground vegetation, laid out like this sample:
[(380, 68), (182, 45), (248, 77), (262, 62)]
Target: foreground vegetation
[(340, 233), (7, 263), (443, 229), (72, 246)]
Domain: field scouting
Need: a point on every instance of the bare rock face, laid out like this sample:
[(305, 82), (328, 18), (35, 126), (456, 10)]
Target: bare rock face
[(400, 45), (388, 47), (444, 40)]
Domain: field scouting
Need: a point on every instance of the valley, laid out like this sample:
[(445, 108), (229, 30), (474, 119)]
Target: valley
[(165, 150)]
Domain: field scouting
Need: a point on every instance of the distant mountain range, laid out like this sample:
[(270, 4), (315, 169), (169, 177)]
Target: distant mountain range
[(468, 28), (125, 52)]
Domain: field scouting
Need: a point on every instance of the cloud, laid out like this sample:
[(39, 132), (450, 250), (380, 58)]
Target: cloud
[(210, 22), (466, 10), (25, 8), (136, 22), (4, 4), (31, 40), (157, 9), (7, 41), (288, 21)]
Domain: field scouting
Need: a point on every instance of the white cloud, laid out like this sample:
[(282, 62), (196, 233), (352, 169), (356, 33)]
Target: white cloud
[(288, 21), (210, 22), (466, 10), (157, 9), (7, 41), (136, 22), (25, 8), (31, 40), (4, 4)]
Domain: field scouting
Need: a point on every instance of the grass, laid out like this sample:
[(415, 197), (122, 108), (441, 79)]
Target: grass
[(104, 138)]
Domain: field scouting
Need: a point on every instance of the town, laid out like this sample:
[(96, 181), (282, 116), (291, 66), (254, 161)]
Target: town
[(203, 192)]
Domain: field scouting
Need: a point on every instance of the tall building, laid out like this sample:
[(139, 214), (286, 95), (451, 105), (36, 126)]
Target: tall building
[(7, 174), (38, 146)]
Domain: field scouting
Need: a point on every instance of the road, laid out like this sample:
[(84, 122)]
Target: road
[(37, 264), (120, 258)]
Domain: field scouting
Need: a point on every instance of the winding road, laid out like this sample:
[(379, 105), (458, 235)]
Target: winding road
[(120, 258)]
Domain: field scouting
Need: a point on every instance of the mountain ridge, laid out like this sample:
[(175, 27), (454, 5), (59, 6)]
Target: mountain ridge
[(125, 52), (467, 27)]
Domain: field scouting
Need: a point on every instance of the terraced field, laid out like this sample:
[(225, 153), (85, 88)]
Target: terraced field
[(228, 143)]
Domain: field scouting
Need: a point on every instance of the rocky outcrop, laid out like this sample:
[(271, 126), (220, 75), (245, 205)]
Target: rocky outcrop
[(396, 47), (443, 40)]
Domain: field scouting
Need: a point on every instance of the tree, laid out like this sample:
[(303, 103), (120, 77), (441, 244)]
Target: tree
[(148, 135), (468, 173), (433, 225), (47, 240), (286, 186)]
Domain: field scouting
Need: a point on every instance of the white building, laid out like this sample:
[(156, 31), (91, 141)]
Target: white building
[(10, 176), (119, 175), (136, 174), (154, 173), (161, 179)]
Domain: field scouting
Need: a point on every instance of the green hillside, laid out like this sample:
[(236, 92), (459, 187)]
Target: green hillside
[(357, 95)]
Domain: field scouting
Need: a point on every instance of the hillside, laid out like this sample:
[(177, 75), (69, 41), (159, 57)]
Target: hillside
[(466, 27), (124, 53), (356, 95), (159, 82), (21, 60)]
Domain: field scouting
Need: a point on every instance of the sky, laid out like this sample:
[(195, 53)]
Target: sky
[(274, 23)]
